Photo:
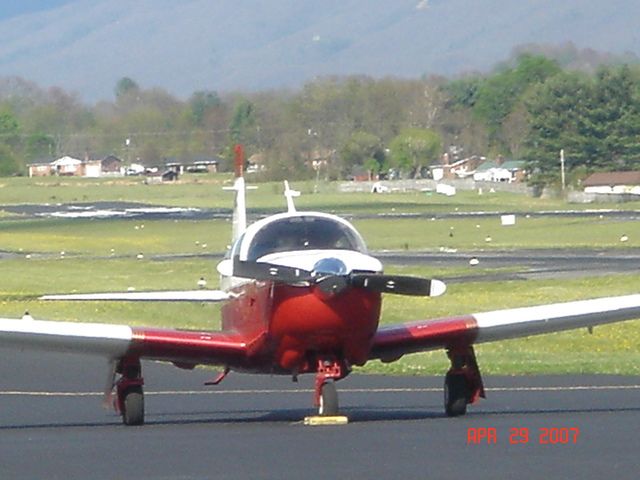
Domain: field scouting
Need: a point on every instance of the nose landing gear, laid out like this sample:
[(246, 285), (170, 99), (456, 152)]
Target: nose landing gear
[(326, 397)]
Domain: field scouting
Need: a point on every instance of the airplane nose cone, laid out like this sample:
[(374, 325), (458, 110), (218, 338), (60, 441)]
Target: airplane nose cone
[(330, 266)]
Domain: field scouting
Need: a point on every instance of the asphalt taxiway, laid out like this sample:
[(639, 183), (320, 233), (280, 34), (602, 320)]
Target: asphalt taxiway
[(52, 426), (523, 264), (140, 211)]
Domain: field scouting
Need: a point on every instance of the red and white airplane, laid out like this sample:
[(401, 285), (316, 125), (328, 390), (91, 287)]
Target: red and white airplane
[(302, 295)]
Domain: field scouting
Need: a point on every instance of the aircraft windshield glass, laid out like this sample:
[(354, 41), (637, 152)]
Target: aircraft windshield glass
[(233, 251), (304, 233)]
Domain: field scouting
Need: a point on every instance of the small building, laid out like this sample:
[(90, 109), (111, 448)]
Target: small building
[(66, 166), (208, 165), (613, 183), (212, 162), (111, 165), (516, 169), (40, 169), (467, 166), (360, 174), (256, 163), (463, 168), (496, 171), (90, 168), (174, 165), (194, 164)]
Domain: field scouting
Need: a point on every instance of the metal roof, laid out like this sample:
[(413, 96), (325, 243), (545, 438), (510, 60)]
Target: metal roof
[(599, 179)]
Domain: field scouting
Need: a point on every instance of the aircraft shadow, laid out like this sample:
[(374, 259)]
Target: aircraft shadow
[(356, 415)]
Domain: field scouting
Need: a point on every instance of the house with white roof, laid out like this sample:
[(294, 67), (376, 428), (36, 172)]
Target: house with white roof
[(506, 171), (67, 166)]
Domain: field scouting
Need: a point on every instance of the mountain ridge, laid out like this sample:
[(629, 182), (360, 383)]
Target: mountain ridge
[(86, 46)]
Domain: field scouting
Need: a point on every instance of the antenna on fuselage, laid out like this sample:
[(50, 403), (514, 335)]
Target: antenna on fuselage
[(289, 195), (239, 203)]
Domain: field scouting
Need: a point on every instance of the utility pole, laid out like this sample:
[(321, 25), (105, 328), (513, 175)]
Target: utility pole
[(562, 167)]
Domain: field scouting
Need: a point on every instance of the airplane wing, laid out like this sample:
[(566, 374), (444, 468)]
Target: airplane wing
[(391, 342), (157, 296), (183, 347)]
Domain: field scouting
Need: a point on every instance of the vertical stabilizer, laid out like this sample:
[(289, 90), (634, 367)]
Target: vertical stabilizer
[(290, 195), (239, 203)]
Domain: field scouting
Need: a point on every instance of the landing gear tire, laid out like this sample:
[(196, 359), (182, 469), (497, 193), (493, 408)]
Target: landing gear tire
[(328, 400), (133, 406), (456, 395)]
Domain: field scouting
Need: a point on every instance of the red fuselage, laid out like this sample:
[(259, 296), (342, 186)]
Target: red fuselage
[(296, 324)]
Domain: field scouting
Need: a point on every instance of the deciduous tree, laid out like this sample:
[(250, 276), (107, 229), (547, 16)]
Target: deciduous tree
[(414, 148)]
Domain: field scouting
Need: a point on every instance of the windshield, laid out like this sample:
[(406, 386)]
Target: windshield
[(304, 233)]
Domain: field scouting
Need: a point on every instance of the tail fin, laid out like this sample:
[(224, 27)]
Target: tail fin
[(239, 203), (238, 163), (289, 195)]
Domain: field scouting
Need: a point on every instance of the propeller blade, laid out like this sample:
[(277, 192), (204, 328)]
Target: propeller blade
[(399, 284), (333, 284), (270, 271)]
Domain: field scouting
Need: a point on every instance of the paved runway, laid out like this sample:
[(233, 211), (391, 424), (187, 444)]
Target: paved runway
[(524, 264), (121, 209), (52, 426)]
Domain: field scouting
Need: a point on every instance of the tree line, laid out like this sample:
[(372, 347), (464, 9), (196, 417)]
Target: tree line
[(528, 108)]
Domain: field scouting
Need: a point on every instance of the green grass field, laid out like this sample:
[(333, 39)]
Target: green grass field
[(100, 256), (205, 191), (128, 237), (473, 234), (119, 237)]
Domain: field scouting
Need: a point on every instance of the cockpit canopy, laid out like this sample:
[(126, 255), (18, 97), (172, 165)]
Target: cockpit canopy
[(299, 232)]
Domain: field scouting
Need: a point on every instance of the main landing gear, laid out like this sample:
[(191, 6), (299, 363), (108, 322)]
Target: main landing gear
[(129, 401), (463, 382), (326, 396)]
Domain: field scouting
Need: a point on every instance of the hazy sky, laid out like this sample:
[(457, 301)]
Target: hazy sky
[(12, 9)]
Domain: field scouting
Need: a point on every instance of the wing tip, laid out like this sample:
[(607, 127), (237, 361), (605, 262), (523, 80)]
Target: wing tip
[(437, 288)]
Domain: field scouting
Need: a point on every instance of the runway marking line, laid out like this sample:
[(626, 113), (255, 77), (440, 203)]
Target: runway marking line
[(575, 388)]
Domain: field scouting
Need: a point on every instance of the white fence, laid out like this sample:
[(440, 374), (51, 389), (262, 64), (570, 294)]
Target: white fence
[(426, 185)]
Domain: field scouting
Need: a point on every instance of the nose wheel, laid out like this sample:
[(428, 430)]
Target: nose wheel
[(328, 399), (326, 396)]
